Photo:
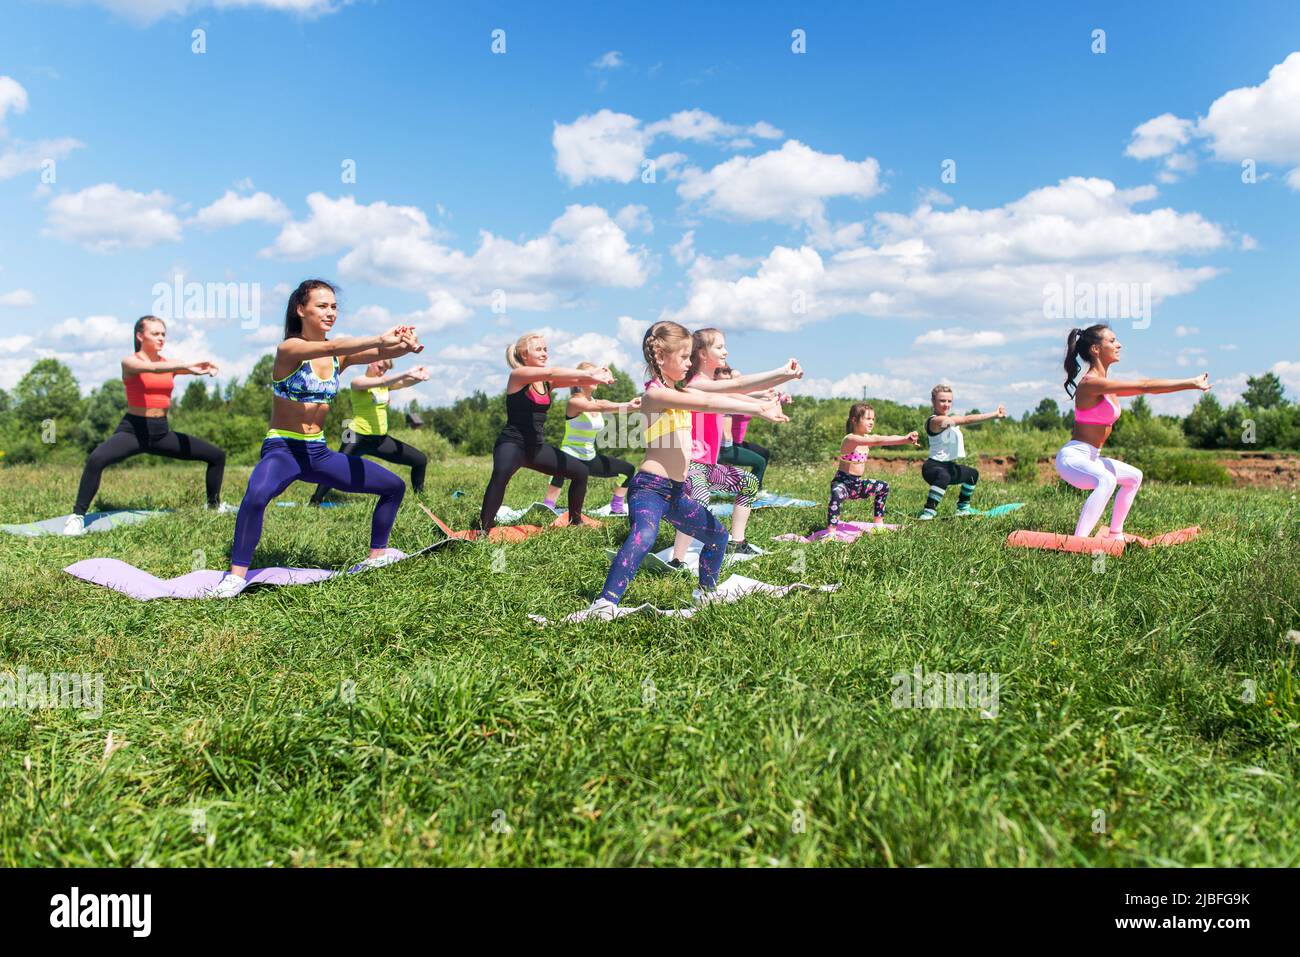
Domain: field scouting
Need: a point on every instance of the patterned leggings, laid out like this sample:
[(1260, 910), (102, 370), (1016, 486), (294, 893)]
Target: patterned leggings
[(703, 479), (650, 499), (845, 486)]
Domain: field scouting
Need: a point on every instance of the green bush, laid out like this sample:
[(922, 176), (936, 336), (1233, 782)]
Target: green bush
[(1025, 467)]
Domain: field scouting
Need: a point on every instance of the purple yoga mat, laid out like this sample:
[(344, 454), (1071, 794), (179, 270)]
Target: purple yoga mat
[(129, 580)]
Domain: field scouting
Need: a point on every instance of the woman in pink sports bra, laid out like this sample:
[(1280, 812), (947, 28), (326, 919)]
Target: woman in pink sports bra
[(1080, 461)]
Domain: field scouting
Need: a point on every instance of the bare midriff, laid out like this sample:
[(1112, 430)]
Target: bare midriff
[(146, 413)]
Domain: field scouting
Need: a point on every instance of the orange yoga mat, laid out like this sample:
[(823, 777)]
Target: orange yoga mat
[(1025, 538), (504, 533)]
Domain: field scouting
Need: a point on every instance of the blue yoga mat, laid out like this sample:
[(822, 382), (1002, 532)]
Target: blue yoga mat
[(95, 522)]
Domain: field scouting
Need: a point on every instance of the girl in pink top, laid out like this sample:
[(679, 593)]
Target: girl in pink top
[(1080, 461), (705, 474)]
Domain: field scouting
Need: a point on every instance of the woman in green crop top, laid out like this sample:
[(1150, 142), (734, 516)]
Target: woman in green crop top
[(367, 432)]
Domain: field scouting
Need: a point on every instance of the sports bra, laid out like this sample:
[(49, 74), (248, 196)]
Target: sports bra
[(668, 422), (303, 385), (1105, 412), (853, 456), (526, 416), (149, 390)]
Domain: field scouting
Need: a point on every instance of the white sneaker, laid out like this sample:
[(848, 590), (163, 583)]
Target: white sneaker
[(702, 597), (389, 557), (228, 587), (75, 525), (602, 608), (224, 508)]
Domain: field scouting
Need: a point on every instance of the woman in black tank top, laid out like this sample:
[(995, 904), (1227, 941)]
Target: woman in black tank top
[(521, 443), (526, 417)]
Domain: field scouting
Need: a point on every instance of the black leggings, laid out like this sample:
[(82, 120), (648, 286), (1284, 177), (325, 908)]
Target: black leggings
[(136, 434), (602, 466), (509, 457), (382, 447)]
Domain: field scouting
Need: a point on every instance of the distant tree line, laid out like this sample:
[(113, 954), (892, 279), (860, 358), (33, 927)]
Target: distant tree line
[(45, 418)]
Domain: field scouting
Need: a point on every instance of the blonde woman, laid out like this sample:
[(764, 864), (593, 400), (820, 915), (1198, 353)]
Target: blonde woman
[(520, 444)]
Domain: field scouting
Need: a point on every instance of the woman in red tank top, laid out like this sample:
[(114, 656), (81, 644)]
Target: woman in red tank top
[(148, 379)]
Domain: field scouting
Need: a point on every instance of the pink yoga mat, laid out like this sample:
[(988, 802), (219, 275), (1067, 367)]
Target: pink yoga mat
[(844, 532)]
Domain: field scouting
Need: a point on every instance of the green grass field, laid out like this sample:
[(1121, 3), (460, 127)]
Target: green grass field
[(760, 733)]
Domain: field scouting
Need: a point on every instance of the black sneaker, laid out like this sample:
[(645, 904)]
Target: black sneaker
[(677, 565), (741, 548)]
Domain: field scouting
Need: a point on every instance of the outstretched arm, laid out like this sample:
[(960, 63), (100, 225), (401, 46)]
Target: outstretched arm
[(912, 438), (579, 403), (134, 365), (1099, 387), (943, 421), (354, 350), (659, 399), (558, 376), (751, 383)]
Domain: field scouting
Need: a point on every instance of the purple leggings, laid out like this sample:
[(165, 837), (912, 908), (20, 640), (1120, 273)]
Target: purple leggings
[(285, 461), (650, 499)]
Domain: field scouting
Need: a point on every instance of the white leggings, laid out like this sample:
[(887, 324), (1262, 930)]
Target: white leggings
[(1083, 466)]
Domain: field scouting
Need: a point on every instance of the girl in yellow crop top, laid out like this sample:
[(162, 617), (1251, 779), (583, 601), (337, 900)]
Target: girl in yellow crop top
[(658, 490)]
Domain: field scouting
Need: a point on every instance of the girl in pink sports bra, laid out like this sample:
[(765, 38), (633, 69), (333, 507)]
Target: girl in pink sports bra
[(1096, 409), (848, 482)]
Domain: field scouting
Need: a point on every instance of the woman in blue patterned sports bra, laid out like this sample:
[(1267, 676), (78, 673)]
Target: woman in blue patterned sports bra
[(295, 448)]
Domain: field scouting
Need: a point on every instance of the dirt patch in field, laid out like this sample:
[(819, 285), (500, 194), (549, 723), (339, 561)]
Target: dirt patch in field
[(1248, 469), (1263, 469)]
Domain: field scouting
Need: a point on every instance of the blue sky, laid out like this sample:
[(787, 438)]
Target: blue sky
[(797, 200)]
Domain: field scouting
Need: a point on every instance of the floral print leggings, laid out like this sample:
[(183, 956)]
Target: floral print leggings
[(845, 486)]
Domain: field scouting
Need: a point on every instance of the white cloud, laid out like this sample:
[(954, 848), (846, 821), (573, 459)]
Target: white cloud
[(632, 331), (609, 61), (93, 333), (1184, 331), (21, 157), (700, 127), (1159, 137), (443, 312), (106, 217), (632, 218), (610, 145), (986, 267), (337, 224), (396, 246), (233, 209), (1260, 123), (1289, 372), (789, 185), (12, 97), (961, 338), (683, 251), (851, 386), (145, 12), (602, 145), (17, 298)]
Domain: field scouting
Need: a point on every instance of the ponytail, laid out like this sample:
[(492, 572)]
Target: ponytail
[(1078, 352), (515, 351)]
